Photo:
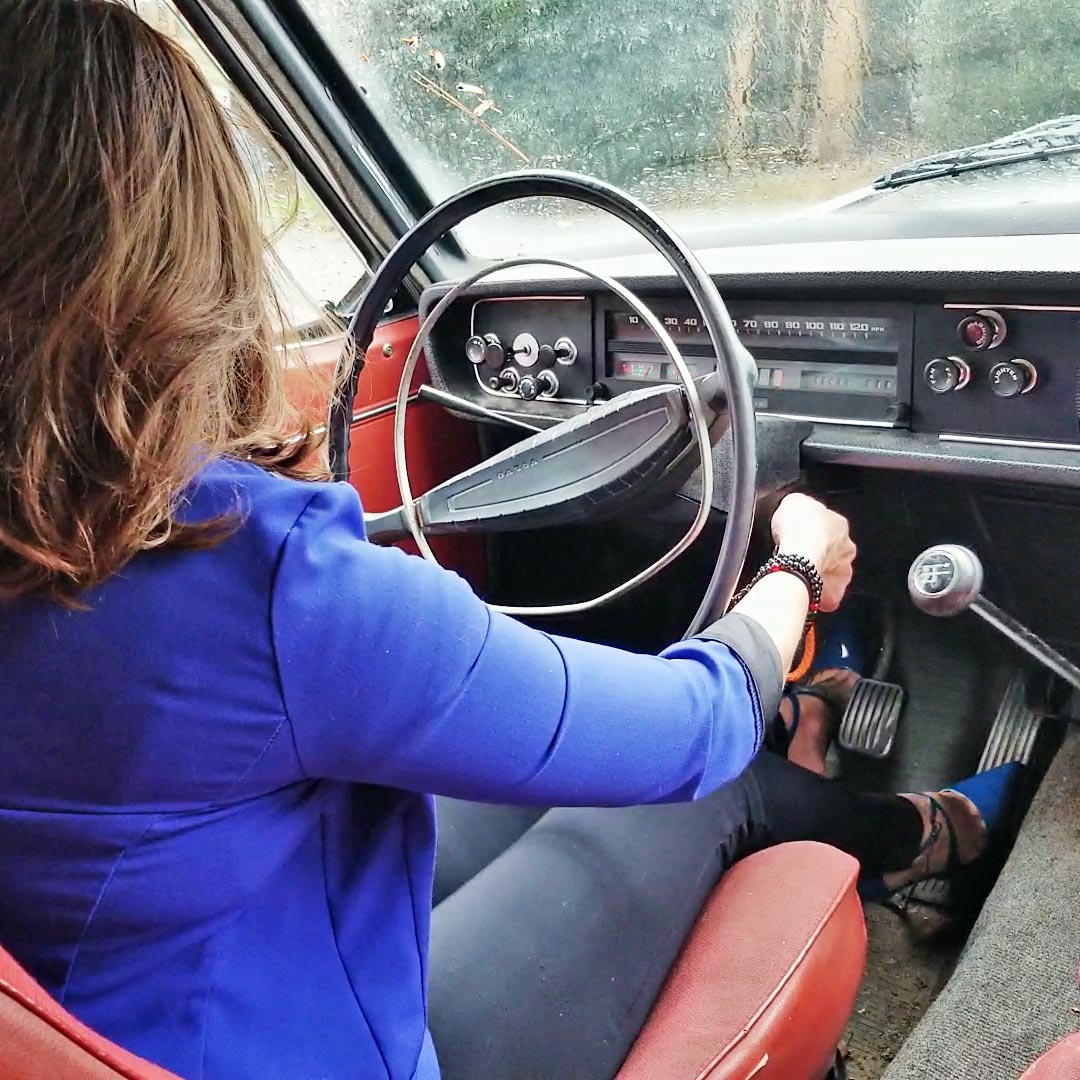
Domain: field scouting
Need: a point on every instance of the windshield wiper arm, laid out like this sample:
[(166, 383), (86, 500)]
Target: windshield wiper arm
[(1051, 138)]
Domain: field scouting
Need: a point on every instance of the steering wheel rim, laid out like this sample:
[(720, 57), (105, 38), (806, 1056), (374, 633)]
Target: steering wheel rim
[(733, 362)]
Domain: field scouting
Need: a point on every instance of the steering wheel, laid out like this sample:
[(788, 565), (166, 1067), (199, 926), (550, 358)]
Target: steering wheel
[(608, 458)]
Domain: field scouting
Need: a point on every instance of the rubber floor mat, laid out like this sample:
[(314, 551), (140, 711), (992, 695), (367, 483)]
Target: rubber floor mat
[(911, 954)]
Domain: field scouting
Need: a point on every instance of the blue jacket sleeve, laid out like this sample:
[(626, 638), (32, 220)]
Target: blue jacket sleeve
[(393, 672)]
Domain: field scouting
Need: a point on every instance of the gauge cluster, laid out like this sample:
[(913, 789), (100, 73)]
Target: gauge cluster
[(975, 371)]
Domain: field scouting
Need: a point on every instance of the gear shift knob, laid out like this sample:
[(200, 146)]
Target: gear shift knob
[(945, 579)]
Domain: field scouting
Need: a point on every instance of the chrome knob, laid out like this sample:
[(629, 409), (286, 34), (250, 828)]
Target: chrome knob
[(945, 579), (486, 350), (529, 387)]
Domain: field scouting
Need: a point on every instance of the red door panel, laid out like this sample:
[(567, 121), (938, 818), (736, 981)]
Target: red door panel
[(438, 443)]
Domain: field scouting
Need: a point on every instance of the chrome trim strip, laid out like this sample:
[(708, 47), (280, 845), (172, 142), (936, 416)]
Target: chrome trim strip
[(1027, 444), (828, 419), (358, 417), (1008, 307), (379, 410)]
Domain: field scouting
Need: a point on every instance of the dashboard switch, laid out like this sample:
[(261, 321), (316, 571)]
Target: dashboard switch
[(486, 350), (984, 329), (1010, 378), (946, 373), (507, 379), (565, 351), (526, 350), (529, 387), (548, 382)]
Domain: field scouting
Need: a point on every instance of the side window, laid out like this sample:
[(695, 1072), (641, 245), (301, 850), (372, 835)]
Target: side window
[(316, 261)]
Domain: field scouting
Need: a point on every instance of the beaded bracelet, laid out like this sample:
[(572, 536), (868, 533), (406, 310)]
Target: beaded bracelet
[(802, 568)]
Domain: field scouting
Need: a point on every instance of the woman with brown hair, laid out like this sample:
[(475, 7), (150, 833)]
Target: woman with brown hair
[(222, 708)]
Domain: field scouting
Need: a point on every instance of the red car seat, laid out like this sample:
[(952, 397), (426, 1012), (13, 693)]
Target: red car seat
[(763, 988)]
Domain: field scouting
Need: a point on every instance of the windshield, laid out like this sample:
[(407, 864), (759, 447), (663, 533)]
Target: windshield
[(704, 110)]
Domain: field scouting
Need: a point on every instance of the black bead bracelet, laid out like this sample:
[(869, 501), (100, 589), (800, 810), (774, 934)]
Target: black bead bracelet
[(802, 568)]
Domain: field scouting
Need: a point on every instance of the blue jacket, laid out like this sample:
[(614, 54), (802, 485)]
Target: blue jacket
[(216, 832)]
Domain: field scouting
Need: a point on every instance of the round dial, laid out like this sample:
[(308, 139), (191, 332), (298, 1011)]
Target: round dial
[(1010, 378), (529, 387), (946, 373), (983, 330)]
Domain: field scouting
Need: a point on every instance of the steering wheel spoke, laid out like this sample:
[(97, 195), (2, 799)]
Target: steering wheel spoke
[(593, 466)]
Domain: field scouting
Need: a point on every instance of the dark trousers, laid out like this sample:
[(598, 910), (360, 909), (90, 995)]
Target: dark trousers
[(553, 932)]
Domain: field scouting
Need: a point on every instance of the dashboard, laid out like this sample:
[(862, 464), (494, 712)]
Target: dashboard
[(965, 369), (922, 355)]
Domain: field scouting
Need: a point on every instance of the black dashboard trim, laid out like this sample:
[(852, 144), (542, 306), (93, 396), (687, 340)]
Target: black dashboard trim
[(906, 451)]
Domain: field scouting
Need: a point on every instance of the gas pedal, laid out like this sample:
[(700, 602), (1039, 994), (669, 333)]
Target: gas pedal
[(1012, 738), (870, 721), (1014, 731)]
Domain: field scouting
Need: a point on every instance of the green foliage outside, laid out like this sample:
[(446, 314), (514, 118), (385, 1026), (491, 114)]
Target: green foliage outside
[(666, 95)]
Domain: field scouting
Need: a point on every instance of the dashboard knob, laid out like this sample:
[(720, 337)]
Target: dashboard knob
[(1010, 378), (545, 356), (475, 348), (507, 379), (485, 350), (565, 351), (984, 330), (529, 387), (946, 373), (548, 382)]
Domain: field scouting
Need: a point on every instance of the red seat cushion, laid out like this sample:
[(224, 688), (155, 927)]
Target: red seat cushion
[(39, 1040), (1060, 1062), (766, 982), (763, 988)]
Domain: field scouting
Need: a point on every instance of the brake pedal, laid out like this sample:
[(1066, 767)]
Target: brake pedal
[(870, 721)]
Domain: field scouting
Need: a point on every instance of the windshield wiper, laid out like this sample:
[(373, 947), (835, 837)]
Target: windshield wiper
[(1051, 138)]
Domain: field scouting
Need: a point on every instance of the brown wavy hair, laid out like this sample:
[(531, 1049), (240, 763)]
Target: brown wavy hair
[(138, 329)]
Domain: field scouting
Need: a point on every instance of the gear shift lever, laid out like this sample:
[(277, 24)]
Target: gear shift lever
[(947, 579)]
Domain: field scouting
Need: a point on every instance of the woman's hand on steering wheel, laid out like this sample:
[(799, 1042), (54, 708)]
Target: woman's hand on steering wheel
[(803, 526)]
